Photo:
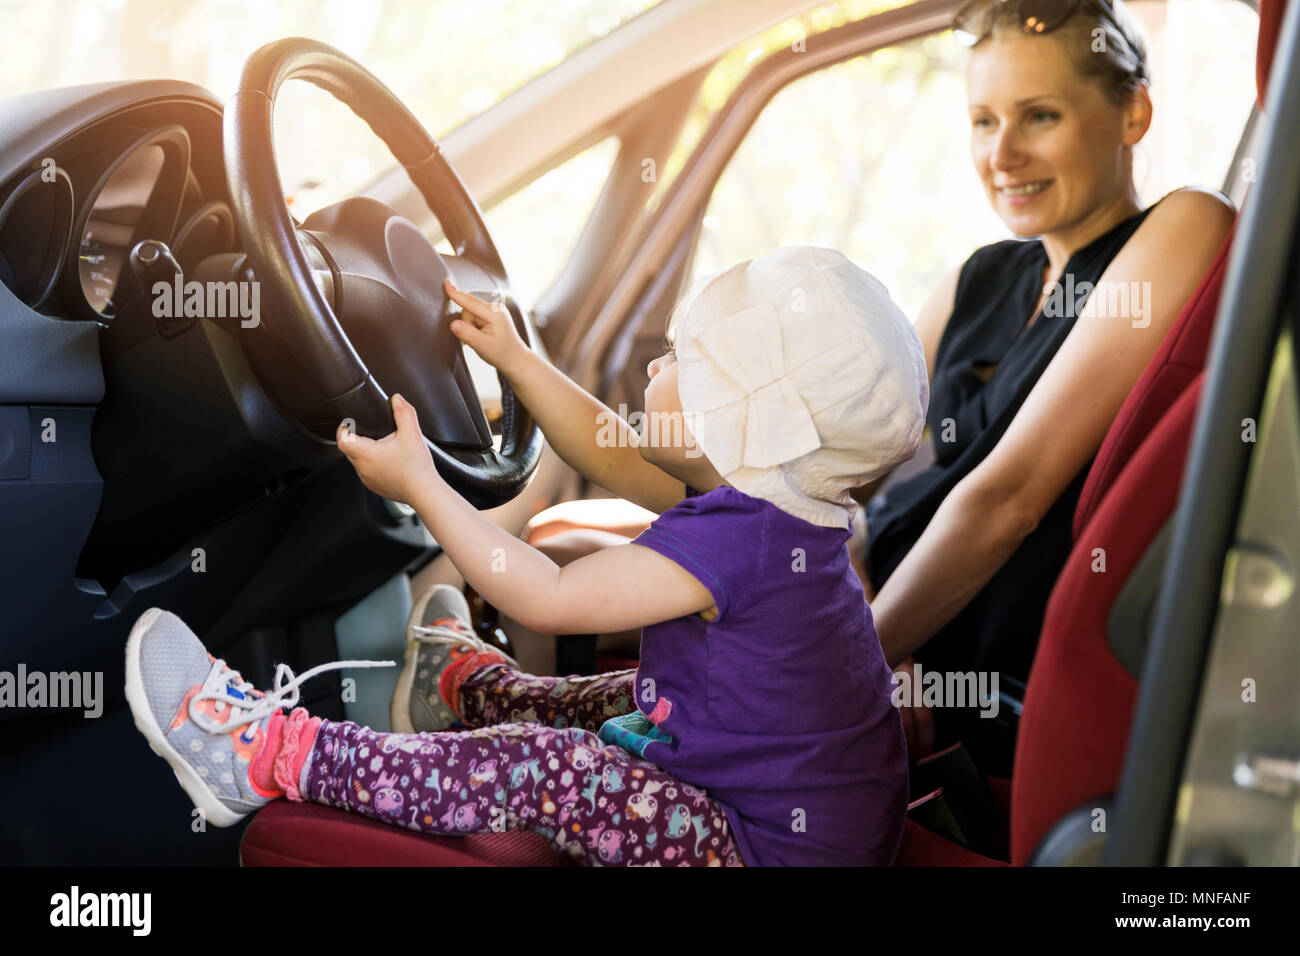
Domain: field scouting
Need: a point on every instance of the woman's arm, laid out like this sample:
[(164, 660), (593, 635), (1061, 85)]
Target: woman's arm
[(1060, 426)]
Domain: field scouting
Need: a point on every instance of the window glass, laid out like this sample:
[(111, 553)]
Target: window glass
[(535, 230), (446, 60), (537, 227), (730, 69)]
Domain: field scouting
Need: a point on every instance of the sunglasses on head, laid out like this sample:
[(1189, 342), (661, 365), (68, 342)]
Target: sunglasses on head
[(973, 21)]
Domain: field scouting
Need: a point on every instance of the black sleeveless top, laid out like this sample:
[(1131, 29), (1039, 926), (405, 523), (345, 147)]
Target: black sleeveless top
[(998, 286)]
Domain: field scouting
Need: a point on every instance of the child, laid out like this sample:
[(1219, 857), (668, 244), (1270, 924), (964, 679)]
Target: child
[(757, 729)]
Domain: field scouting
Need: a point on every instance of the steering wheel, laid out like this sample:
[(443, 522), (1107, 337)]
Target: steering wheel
[(355, 292)]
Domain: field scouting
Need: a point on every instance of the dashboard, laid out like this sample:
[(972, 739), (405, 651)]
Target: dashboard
[(68, 222), (184, 433), (128, 440)]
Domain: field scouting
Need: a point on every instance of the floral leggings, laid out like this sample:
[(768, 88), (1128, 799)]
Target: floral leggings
[(532, 761)]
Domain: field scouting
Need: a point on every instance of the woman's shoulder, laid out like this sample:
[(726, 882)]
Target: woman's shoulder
[(1191, 207), (1164, 242)]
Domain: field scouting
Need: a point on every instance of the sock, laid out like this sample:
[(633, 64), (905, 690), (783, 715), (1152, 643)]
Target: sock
[(278, 769), (456, 674)]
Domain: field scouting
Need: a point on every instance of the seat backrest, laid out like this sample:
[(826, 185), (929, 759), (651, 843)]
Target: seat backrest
[(1183, 352), (1079, 702), (1179, 359)]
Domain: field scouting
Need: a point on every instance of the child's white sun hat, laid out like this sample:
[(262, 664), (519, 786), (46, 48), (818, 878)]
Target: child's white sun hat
[(799, 379)]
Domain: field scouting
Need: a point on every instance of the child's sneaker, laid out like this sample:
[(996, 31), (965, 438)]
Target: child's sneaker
[(441, 650), (205, 720)]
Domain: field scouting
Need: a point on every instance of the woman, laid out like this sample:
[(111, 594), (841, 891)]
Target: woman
[(1027, 369)]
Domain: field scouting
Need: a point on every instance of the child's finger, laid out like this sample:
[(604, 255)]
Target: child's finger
[(478, 312), (466, 332), (470, 304), (404, 413), (349, 442)]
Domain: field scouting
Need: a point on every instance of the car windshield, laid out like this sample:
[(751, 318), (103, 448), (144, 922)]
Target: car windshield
[(447, 60)]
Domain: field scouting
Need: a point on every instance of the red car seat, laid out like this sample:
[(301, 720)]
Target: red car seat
[(1178, 361), (1079, 701)]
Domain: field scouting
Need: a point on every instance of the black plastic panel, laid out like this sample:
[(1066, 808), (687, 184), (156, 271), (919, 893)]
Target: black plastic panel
[(46, 360)]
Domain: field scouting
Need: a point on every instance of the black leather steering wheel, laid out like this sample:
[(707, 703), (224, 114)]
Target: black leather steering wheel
[(353, 297)]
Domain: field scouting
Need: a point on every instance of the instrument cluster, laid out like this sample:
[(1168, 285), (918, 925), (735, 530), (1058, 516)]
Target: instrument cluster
[(68, 225)]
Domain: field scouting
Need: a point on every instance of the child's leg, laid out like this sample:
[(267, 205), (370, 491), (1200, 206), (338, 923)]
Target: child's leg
[(451, 677), (499, 694), (234, 751), (593, 801)]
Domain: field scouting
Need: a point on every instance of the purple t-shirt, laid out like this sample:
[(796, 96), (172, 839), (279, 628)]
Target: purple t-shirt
[(780, 706)]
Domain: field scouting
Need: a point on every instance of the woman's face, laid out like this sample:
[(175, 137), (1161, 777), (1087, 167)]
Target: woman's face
[(1036, 123)]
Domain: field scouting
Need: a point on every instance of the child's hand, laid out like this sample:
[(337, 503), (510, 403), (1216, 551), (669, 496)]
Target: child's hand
[(489, 330), (396, 466)]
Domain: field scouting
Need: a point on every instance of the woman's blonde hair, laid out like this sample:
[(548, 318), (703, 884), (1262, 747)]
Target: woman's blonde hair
[(1111, 52)]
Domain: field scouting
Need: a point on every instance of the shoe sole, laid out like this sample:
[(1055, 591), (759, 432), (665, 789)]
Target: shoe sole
[(399, 706), (214, 811)]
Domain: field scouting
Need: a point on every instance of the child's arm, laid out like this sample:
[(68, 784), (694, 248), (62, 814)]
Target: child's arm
[(591, 438), (619, 588)]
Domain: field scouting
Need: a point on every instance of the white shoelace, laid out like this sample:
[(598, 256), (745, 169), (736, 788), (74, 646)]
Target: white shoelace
[(250, 709), (443, 634)]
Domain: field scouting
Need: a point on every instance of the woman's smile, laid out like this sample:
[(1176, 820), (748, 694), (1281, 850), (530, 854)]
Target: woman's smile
[(1023, 193)]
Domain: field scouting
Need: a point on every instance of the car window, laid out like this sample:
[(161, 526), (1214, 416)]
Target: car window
[(536, 227), (883, 173), (447, 61), (731, 69)]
